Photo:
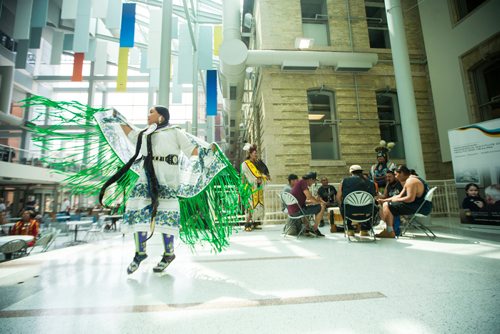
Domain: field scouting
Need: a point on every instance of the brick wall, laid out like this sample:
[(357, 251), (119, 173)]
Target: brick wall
[(284, 127)]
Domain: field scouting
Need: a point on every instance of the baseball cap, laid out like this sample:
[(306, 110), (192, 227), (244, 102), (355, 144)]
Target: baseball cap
[(355, 168), (310, 175)]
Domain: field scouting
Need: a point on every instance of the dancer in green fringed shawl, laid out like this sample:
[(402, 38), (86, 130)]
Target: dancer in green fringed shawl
[(174, 183), (154, 197)]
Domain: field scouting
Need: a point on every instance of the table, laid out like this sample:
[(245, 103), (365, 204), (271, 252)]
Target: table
[(77, 223), (7, 238)]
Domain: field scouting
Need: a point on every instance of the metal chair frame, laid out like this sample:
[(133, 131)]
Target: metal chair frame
[(412, 221), (289, 199), (44, 242), (14, 247), (358, 199)]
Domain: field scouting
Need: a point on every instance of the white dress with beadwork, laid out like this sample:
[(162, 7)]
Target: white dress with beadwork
[(165, 142)]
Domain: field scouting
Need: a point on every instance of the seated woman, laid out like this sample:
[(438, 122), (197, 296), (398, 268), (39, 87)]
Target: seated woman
[(26, 226)]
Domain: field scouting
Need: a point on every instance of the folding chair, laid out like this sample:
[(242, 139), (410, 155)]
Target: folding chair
[(359, 207), (412, 221), (289, 199), (43, 242)]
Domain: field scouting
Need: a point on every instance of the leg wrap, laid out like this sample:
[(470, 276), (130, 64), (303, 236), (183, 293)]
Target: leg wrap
[(168, 243), (140, 242)]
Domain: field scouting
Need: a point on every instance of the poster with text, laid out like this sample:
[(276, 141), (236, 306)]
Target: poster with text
[(475, 152)]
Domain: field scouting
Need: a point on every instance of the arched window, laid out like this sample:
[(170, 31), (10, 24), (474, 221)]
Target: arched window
[(323, 125), (390, 122)]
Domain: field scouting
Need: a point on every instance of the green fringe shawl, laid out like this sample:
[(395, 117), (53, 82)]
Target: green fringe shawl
[(210, 215), (99, 163), (206, 217)]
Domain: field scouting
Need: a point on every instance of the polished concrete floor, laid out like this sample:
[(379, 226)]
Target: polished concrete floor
[(263, 283)]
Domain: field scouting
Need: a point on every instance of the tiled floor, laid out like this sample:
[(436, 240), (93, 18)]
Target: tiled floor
[(262, 284)]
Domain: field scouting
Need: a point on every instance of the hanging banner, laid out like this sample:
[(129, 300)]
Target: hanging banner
[(205, 48), (217, 39), (22, 19), (113, 14), (22, 53), (121, 80), (57, 47), (100, 63), (475, 152), (127, 26), (77, 66), (82, 26), (211, 92)]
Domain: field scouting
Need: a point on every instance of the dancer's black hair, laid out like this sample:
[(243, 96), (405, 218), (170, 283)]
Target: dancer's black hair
[(153, 185)]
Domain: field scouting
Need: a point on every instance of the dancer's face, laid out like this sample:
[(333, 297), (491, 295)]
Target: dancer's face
[(153, 116)]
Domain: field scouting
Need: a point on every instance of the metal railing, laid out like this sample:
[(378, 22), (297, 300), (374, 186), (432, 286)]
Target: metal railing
[(444, 202)]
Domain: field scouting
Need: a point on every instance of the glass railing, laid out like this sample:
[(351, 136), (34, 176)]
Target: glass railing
[(33, 158)]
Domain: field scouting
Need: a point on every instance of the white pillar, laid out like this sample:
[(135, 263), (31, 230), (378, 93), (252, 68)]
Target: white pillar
[(166, 40), (404, 85)]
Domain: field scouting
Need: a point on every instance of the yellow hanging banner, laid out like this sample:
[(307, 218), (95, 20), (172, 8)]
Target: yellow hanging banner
[(217, 39), (121, 80)]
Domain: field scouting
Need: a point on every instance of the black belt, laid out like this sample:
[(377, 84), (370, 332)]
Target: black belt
[(171, 159)]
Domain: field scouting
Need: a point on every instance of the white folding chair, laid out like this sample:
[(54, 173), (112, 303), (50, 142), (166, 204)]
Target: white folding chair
[(43, 242), (359, 207), (289, 199), (412, 221)]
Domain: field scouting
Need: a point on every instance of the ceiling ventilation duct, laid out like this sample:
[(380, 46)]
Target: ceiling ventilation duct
[(301, 65), (353, 66)]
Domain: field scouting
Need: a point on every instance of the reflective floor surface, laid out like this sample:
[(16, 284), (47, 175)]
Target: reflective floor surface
[(263, 283)]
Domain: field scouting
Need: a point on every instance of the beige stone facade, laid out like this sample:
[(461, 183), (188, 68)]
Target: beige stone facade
[(277, 119)]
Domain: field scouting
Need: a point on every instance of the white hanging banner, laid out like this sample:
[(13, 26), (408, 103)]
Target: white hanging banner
[(176, 88), (185, 56), (99, 9), (205, 46), (90, 55), (114, 14), (82, 26), (154, 42), (57, 47), (68, 10), (100, 63)]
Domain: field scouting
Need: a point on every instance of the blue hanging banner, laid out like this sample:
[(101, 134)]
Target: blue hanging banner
[(128, 26), (211, 92)]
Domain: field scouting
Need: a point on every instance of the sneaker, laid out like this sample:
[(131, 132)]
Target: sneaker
[(385, 234), (318, 233), (164, 263), (321, 223), (364, 233), (333, 228), (134, 265)]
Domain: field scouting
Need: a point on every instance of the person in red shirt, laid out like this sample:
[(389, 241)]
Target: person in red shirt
[(304, 197), (26, 226)]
